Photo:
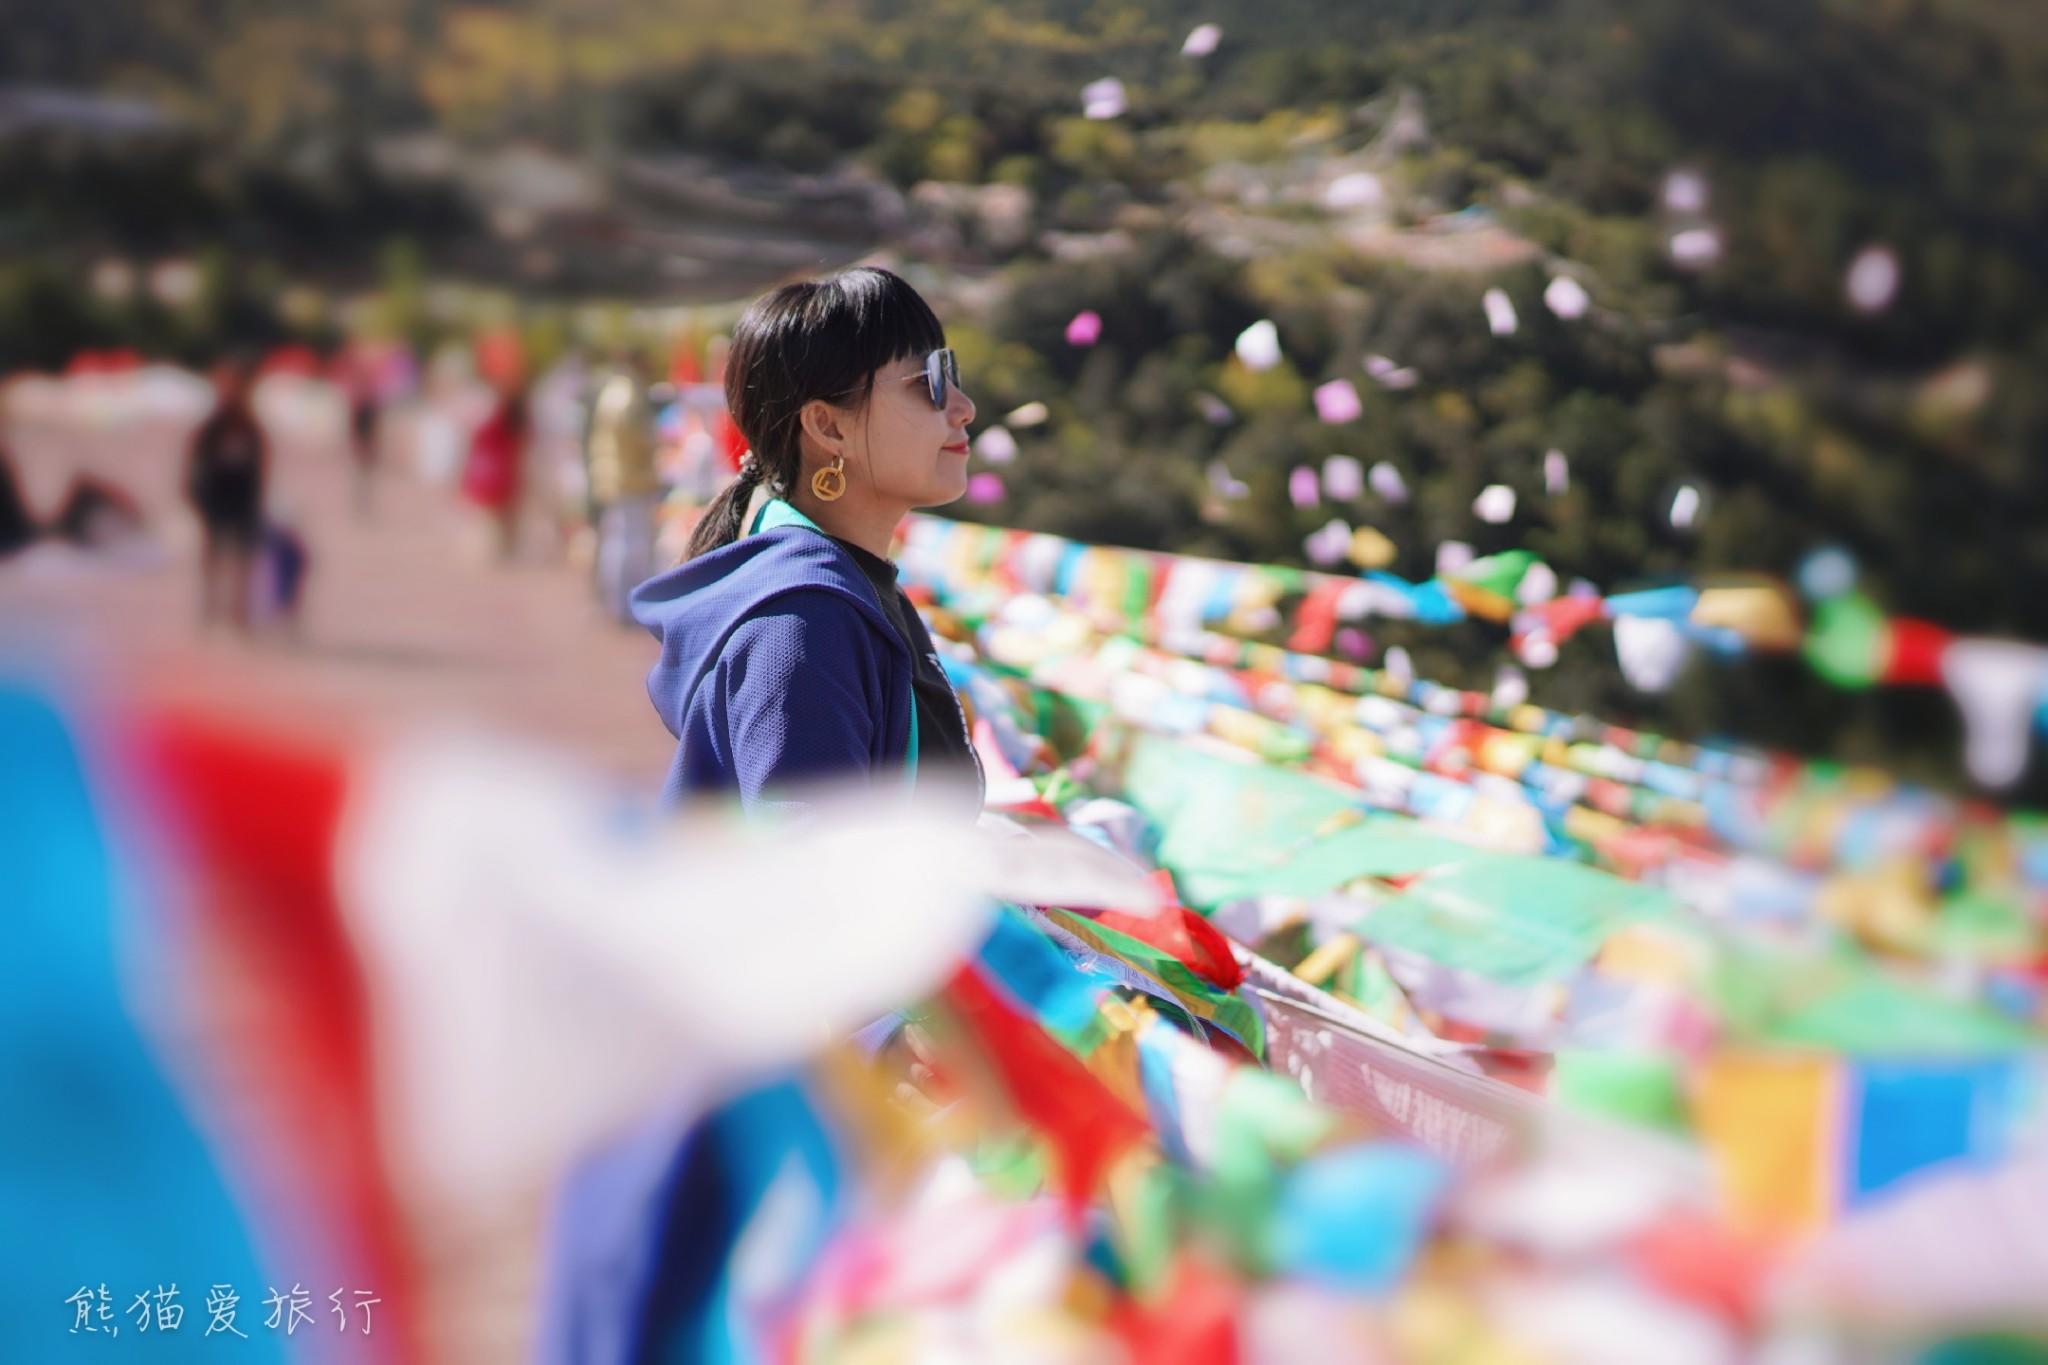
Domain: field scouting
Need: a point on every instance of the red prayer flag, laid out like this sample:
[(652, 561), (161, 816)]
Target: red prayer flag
[(1086, 1125)]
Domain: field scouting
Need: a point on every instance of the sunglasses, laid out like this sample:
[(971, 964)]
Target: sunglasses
[(940, 369)]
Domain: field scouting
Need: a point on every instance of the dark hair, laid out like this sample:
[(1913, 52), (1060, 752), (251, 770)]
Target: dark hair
[(820, 339)]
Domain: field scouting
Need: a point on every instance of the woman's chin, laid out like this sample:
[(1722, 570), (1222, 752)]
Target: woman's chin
[(947, 490)]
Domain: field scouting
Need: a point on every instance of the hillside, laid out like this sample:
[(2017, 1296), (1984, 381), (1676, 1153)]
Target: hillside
[(1709, 175)]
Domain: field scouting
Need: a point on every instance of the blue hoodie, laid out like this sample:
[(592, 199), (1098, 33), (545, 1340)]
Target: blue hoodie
[(777, 665)]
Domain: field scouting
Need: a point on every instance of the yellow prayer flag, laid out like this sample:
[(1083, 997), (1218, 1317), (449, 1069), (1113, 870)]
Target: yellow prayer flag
[(1769, 1122)]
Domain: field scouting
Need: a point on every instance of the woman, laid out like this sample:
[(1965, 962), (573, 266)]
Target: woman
[(492, 475), (224, 477), (788, 652)]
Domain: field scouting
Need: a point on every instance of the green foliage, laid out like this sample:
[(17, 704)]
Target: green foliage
[(1820, 127)]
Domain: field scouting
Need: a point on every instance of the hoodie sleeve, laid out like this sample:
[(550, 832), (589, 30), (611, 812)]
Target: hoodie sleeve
[(799, 687)]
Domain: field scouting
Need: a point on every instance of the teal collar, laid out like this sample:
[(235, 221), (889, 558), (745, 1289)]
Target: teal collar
[(777, 512)]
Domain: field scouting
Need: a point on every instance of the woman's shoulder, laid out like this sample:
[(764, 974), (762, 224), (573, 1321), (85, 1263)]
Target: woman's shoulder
[(813, 618), (793, 559), (789, 592)]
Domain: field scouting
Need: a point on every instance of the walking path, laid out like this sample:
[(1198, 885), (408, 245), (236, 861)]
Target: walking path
[(403, 626)]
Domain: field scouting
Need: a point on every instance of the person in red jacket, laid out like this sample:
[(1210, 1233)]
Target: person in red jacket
[(491, 476)]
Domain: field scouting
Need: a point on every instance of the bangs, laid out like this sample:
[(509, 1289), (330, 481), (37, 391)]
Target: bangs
[(869, 318)]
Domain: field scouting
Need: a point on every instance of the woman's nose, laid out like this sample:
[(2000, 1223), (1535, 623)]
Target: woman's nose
[(963, 410)]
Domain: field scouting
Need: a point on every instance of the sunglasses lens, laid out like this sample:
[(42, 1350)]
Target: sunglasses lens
[(938, 369)]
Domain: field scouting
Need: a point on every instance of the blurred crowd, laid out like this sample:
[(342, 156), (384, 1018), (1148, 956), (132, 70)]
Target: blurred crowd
[(595, 461)]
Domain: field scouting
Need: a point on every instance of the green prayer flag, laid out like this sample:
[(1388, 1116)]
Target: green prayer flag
[(1515, 919), (1640, 1087), (1848, 641), (1232, 829), (1264, 1125), (1847, 1004), (1011, 1167), (1225, 1009), (1498, 574)]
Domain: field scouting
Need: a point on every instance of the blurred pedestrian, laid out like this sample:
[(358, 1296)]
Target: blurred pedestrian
[(364, 413), (492, 475), (17, 527), (624, 488), (558, 407), (96, 514), (224, 478)]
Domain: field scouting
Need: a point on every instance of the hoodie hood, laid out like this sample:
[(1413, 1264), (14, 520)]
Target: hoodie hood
[(693, 608)]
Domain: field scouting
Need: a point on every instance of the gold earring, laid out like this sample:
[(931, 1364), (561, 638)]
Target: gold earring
[(829, 484)]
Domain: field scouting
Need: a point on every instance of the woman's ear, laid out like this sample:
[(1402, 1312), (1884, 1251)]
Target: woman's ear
[(825, 425)]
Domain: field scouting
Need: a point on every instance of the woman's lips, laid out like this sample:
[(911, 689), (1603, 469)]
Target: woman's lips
[(958, 447)]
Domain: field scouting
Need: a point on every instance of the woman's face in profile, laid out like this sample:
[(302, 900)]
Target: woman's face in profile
[(916, 453)]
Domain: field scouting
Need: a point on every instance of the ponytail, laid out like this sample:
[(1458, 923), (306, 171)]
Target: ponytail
[(722, 521)]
